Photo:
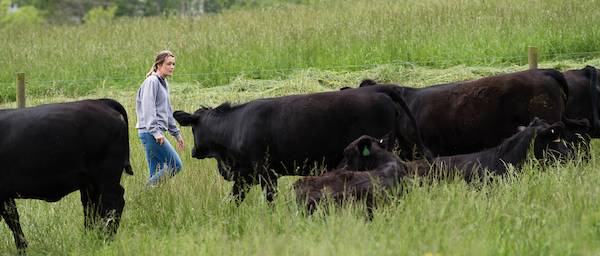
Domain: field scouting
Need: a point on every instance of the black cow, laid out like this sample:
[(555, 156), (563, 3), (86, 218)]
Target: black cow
[(469, 116), (584, 97), (260, 140), (369, 167), (49, 151), (584, 94)]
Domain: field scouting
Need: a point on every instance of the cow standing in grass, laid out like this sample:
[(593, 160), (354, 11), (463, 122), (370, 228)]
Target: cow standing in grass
[(49, 151), (256, 142)]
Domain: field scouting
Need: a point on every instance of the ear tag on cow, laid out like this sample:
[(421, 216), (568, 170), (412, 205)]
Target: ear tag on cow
[(366, 151)]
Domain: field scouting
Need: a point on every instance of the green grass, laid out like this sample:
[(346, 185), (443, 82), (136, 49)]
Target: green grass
[(271, 43), (243, 55), (555, 211)]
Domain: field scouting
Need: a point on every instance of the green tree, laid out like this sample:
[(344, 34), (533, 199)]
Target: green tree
[(100, 15), (23, 16)]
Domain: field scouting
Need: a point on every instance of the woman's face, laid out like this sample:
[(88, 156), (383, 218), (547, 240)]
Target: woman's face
[(167, 67)]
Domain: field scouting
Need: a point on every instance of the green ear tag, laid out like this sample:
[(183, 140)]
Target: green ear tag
[(366, 151)]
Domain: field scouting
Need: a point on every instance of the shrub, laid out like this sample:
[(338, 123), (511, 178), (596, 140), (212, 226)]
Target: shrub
[(100, 15)]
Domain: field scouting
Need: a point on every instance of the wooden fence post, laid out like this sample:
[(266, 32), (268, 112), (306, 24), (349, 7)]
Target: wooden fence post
[(20, 90), (532, 57)]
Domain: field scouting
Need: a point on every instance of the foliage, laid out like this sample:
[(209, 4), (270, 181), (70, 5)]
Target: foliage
[(25, 16), (73, 11), (100, 15)]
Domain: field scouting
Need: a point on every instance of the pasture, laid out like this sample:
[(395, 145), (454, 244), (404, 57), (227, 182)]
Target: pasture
[(554, 211), (238, 56), (272, 43)]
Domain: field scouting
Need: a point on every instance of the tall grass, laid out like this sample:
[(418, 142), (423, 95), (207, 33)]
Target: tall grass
[(539, 212), (274, 42)]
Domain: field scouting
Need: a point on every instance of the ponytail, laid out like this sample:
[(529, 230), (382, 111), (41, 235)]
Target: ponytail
[(152, 70)]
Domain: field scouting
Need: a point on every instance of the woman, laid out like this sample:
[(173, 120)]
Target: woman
[(154, 118)]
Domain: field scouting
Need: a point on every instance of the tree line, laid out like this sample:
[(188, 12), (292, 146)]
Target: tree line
[(21, 12)]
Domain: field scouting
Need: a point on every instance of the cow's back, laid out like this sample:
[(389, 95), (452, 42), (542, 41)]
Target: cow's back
[(469, 116), (299, 130)]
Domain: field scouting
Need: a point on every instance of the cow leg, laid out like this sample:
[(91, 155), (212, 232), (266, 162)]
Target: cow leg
[(89, 200), (269, 187), (370, 204), (311, 206), (106, 191), (111, 206), (8, 210), (239, 190)]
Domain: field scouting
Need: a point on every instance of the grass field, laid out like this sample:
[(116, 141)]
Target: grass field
[(554, 211), (243, 55), (275, 42)]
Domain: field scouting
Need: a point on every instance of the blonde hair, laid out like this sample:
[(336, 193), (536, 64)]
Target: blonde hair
[(160, 59)]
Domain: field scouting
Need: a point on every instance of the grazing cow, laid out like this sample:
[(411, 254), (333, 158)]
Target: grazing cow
[(469, 116), (258, 141), (49, 151), (386, 170)]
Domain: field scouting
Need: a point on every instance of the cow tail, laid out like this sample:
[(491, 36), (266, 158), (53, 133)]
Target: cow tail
[(119, 108), (396, 96)]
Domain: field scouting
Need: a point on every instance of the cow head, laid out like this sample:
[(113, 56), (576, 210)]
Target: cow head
[(584, 97), (594, 90), (202, 144), (366, 153), (549, 141)]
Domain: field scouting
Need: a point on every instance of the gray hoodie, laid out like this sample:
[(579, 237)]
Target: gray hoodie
[(153, 108)]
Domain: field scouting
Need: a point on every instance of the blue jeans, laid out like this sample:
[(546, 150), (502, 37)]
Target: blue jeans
[(161, 158)]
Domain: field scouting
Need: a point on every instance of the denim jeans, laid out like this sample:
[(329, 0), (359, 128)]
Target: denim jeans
[(161, 158)]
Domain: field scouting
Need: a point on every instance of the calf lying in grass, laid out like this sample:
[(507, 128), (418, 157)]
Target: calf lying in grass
[(368, 168)]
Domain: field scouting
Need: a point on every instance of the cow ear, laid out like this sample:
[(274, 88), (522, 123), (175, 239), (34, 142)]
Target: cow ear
[(367, 82), (185, 119), (364, 147)]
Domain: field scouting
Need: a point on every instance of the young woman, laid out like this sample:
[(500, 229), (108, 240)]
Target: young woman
[(155, 117)]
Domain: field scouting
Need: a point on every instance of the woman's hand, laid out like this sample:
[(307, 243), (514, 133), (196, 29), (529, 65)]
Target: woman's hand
[(180, 143), (160, 139)]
